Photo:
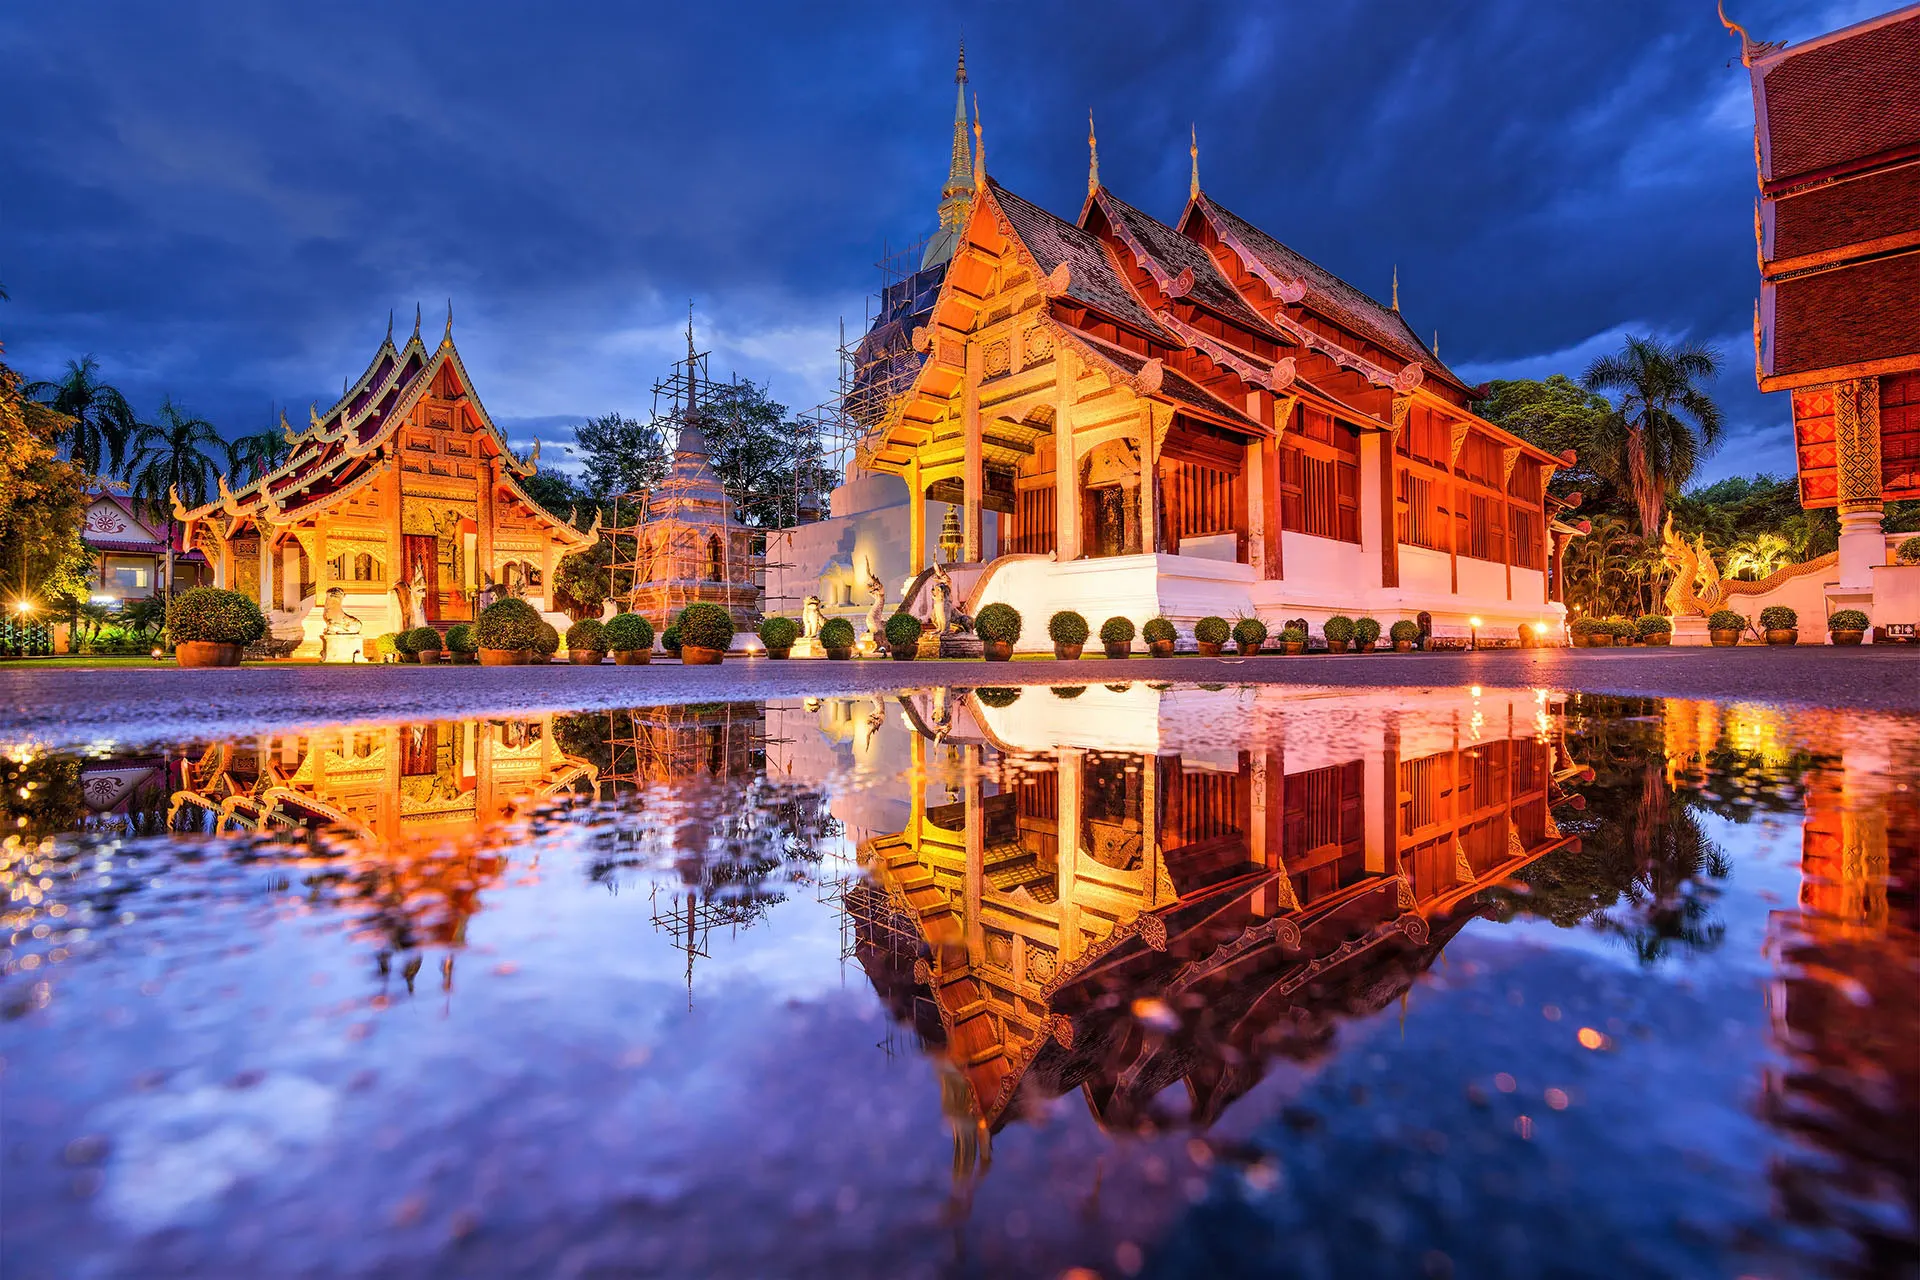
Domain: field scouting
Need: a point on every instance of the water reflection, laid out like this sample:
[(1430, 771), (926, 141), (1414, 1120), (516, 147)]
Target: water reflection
[(1160, 900)]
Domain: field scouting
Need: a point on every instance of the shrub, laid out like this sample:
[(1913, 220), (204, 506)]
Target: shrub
[(1777, 617), (424, 640), (403, 643), (999, 622), (1300, 623), (1651, 624), (1907, 552), (629, 633), (1619, 628), (1339, 628), (1293, 635), (1212, 630), (588, 635), (1157, 630), (1726, 620), (997, 697), (902, 631), (1116, 631), (546, 639), (670, 641), (779, 633), (1067, 627), (507, 624), (1366, 630), (460, 638), (836, 633), (1250, 631), (1404, 630), (1847, 620), (1066, 690), (213, 616), (705, 626), (1584, 625), (387, 645)]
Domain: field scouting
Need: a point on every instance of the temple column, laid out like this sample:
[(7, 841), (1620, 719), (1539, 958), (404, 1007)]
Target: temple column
[(1856, 434), (1066, 468), (1154, 419), (973, 480), (396, 545), (1254, 490), (266, 567), (916, 520), (483, 533)]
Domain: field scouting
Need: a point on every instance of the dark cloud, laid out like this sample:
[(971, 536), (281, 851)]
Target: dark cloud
[(224, 201)]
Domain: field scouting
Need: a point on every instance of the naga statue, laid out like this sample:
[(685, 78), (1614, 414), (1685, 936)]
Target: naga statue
[(878, 590), (1698, 589)]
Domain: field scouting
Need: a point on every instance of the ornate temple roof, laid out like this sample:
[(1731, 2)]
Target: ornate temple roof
[(1091, 279), (1170, 255)]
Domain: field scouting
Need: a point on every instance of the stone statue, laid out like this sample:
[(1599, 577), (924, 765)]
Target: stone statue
[(489, 592), (338, 622), (810, 618), (417, 593), (947, 621), (878, 590)]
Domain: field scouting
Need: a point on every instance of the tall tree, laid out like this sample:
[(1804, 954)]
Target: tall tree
[(102, 420), (42, 499), (174, 455), (766, 459), (621, 455), (1669, 423), (259, 452)]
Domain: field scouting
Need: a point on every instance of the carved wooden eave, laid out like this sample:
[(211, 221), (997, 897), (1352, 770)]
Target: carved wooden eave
[(1462, 420), (1149, 382)]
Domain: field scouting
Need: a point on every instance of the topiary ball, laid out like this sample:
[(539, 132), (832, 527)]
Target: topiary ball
[(779, 633), (1726, 620), (210, 615), (1116, 631), (629, 633), (705, 626), (1250, 631), (423, 640), (836, 633), (999, 623), (460, 638), (546, 639), (1366, 630), (1158, 631), (1405, 630), (1067, 627), (902, 631), (1847, 620), (508, 624), (1212, 630), (1778, 617), (670, 641), (589, 635), (1339, 628)]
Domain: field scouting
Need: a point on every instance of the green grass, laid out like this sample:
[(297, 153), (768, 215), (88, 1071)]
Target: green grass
[(105, 660)]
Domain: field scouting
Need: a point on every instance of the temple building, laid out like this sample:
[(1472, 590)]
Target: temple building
[(129, 544), (403, 497), (1837, 324), (1140, 417)]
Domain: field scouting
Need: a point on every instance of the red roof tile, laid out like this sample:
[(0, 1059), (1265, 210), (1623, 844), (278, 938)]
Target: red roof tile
[(1842, 98), (1848, 316)]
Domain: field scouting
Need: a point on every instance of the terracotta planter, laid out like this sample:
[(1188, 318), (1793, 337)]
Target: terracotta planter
[(1068, 652), (1403, 646), (585, 657), (631, 657), (1658, 638), (780, 653), (427, 657), (693, 655), (905, 653), (1248, 648), (1160, 648), (1364, 646), (1723, 639), (503, 657), (1845, 637), (207, 653), (1208, 648), (459, 659), (1336, 646), (997, 650), (1117, 650), (841, 654), (1294, 646), (1581, 640), (1784, 635)]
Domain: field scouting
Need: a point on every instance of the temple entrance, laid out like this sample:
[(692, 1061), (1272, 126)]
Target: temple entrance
[(1110, 500), (420, 553)]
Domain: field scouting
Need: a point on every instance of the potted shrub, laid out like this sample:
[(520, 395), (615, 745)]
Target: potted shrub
[(705, 632), (778, 634), (1293, 639), (1581, 629), (426, 644), (1159, 635), (903, 636), (587, 642), (386, 647), (998, 626), (1724, 627), (1339, 631), (1365, 632), (1116, 637), (1651, 628), (211, 627), (670, 641), (630, 636), (506, 633), (1068, 631), (403, 647), (1403, 633), (1907, 552), (1781, 624), (1248, 635), (836, 637), (1210, 634), (461, 644), (546, 642), (1847, 626)]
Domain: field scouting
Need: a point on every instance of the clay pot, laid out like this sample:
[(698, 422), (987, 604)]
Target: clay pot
[(505, 657), (585, 657), (1658, 638), (1248, 648), (207, 653), (840, 654), (692, 655), (779, 653), (1160, 648), (427, 657), (997, 650), (1845, 637), (1207, 648), (1403, 646), (1784, 635), (1067, 652), (632, 657), (1582, 640), (1336, 646), (459, 659), (1294, 646), (1723, 639), (1367, 646), (905, 653), (1117, 650)]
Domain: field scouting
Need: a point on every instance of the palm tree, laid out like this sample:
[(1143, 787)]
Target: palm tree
[(102, 419), (1756, 557), (1668, 422), (256, 454), (171, 456)]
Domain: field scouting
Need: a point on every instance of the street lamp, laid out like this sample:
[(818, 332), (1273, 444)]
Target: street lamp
[(1474, 643)]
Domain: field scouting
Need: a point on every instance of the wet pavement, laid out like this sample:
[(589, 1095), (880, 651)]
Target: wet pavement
[(1103, 979)]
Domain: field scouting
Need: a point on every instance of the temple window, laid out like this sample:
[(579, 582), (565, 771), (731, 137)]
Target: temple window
[(1320, 478), (716, 571)]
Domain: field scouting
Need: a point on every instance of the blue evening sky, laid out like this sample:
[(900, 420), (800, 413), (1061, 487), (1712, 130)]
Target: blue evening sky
[(223, 201)]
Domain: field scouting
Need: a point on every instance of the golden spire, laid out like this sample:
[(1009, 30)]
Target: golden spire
[(1396, 286), (1435, 348), (956, 194), (1193, 150), (979, 149), (1093, 157)]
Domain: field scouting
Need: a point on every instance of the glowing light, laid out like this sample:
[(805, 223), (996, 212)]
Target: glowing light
[(1591, 1039), (23, 606), (1539, 628), (156, 653), (1475, 690), (1473, 622)]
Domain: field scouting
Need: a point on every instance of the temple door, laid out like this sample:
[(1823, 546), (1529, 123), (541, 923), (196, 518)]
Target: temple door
[(422, 569)]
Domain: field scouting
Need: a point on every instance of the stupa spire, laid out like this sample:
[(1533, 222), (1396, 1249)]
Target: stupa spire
[(956, 195), (1193, 151), (1093, 156)]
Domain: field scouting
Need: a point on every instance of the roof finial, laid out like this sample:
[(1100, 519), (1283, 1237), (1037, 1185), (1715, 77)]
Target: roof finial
[(389, 324), (416, 320), (1193, 150), (1436, 344), (979, 149), (448, 335), (956, 195), (1748, 45), (1396, 286), (1093, 157)]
